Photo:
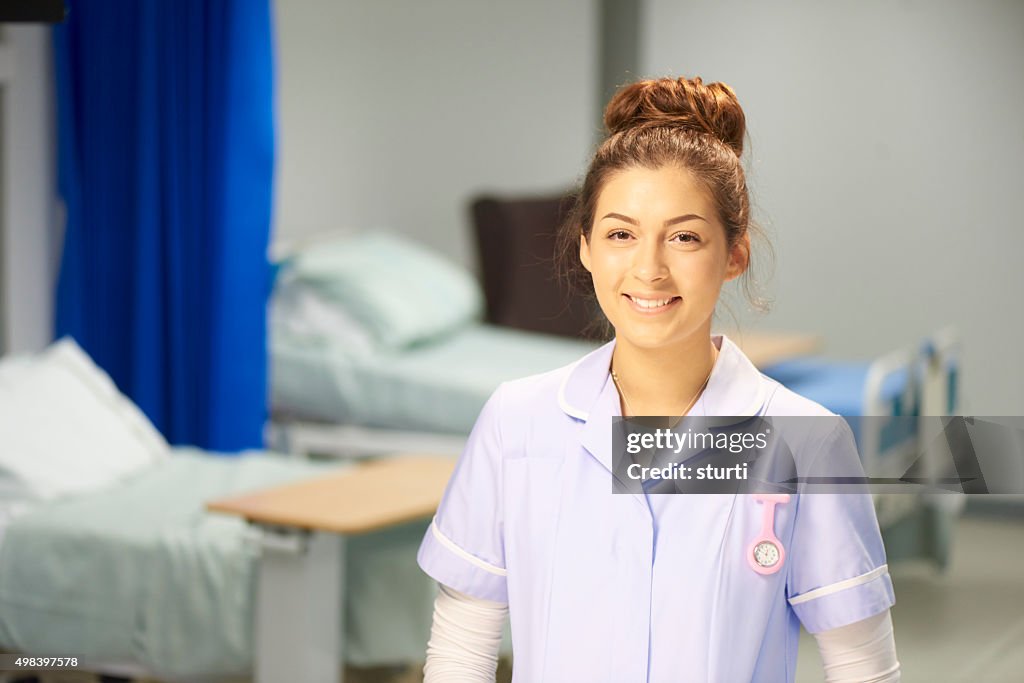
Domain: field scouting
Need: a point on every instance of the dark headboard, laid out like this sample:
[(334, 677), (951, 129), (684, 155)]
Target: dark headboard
[(515, 240)]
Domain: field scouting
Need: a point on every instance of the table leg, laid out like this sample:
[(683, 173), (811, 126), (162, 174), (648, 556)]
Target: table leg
[(299, 609)]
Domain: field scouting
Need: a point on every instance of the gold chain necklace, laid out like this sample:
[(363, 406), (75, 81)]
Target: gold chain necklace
[(615, 379)]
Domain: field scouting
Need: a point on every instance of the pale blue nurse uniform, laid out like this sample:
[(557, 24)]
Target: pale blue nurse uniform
[(626, 588)]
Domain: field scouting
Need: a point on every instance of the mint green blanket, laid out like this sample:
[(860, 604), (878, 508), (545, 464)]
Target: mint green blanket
[(439, 386)]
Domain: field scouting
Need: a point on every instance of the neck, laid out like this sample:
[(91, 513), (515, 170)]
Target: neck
[(663, 381)]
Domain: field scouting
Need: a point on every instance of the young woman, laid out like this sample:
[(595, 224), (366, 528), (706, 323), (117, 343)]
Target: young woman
[(624, 588)]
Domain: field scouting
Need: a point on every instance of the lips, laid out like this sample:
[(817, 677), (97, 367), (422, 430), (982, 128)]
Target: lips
[(652, 304)]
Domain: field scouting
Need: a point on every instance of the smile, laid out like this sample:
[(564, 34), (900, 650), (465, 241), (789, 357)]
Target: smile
[(652, 305)]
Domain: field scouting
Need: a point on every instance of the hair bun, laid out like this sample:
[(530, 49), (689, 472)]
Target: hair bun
[(684, 102)]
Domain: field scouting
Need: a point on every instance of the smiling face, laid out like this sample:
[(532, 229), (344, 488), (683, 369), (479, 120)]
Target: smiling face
[(658, 256)]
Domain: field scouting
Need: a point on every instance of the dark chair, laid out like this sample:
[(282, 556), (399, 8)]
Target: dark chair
[(515, 240)]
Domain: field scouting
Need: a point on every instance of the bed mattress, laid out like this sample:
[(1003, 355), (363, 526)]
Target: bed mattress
[(436, 387)]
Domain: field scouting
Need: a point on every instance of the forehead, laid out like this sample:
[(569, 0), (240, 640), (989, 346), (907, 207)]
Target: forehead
[(662, 192)]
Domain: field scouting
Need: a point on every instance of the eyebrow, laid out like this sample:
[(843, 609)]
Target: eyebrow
[(670, 221)]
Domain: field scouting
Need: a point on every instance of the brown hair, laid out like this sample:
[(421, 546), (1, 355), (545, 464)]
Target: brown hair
[(668, 122)]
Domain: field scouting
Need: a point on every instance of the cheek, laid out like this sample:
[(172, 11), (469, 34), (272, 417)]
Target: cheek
[(703, 274), (604, 286), (605, 267)]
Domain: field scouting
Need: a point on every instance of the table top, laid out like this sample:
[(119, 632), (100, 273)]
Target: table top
[(767, 348), (352, 500)]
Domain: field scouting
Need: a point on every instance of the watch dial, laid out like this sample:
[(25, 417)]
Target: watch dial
[(766, 554)]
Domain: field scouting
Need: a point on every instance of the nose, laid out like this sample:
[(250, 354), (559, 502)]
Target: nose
[(649, 262)]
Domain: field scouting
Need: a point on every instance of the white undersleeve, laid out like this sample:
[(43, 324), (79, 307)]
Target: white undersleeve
[(466, 635), (464, 639), (861, 652)]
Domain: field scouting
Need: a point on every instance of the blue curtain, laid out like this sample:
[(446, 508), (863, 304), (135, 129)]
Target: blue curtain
[(165, 165)]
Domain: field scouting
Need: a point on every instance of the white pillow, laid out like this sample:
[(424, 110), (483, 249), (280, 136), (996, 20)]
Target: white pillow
[(65, 428)]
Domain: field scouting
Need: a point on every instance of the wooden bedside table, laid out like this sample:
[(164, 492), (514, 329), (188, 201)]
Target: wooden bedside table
[(299, 602)]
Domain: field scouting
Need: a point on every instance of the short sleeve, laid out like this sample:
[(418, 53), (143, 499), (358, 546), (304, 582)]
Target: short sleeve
[(464, 546), (838, 573)]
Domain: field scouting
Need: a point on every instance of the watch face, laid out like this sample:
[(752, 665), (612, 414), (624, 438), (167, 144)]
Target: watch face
[(766, 554)]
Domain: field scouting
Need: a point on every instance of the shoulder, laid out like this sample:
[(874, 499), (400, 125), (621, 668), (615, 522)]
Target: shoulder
[(814, 430), (569, 390), (783, 402), (535, 394), (531, 412), (536, 386)]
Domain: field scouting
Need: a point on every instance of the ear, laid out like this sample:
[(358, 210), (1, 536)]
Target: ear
[(585, 252), (739, 258)]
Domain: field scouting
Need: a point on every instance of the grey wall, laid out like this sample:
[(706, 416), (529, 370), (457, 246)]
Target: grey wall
[(393, 114), (887, 162), (28, 255), (887, 156)]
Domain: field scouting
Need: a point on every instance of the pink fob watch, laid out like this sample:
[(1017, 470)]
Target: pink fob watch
[(766, 553)]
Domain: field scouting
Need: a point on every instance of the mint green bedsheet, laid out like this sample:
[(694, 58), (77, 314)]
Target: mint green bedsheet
[(141, 573), (435, 387)]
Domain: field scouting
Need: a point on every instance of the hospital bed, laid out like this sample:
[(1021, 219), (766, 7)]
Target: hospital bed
[(377, 345), (884, 401), (107, 552)]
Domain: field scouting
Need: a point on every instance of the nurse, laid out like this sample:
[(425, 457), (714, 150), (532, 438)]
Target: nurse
[(626, 588)]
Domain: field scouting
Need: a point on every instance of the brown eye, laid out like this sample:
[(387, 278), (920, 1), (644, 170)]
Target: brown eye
[(686, 238)]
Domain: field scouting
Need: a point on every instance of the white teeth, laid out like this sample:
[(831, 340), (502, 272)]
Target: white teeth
[(651, 303)]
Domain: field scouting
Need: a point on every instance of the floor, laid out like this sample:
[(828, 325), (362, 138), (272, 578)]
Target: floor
[(964, 625)]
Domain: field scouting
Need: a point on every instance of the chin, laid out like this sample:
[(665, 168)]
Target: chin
[(648, 342), (654, 340)]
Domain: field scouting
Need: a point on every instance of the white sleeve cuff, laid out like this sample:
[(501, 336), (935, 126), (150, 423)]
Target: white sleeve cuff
[(454, 566), (846, 601)]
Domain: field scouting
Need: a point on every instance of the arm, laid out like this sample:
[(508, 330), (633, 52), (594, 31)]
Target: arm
[(464, 638), (861, 652)]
